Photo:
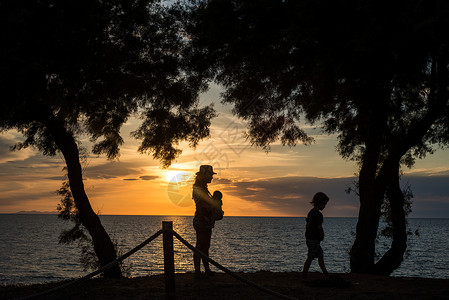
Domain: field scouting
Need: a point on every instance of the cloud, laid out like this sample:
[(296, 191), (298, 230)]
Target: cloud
[(28, 195), (145, 177), (37, 167), (12, 186), (292, 195), (149, 177), (440, 171), (222, 181), (6, 155), (110, 170), (431, 194), (60, 178), (434, 185)]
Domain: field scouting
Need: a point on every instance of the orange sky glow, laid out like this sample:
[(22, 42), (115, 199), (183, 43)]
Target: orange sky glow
[(254, 183)]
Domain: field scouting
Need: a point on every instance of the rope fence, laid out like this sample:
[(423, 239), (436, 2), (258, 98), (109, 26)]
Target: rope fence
[(169, 268), (102, 269), (227, 271)]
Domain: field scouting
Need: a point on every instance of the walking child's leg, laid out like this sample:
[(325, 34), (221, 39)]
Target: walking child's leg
[(322, 266), (306, 266)]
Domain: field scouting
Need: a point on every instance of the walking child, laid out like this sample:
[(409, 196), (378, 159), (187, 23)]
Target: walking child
[(315, 232)]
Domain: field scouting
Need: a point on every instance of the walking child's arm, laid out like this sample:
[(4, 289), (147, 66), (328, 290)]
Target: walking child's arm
[(321, 231)]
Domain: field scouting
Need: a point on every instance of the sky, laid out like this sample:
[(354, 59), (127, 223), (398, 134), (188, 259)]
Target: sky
[(281, 182)]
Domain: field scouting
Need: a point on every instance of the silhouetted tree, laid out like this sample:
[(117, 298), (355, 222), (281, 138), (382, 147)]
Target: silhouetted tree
[(373, 72), (77, 234), (82, 67)]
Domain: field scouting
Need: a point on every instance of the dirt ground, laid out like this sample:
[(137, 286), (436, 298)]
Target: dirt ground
[(223, 286)]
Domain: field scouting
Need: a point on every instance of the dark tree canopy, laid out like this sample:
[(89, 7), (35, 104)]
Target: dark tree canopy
[(329, 61), (77, 67), (373, 72), (92, 64)]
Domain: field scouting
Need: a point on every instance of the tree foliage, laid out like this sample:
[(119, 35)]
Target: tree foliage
[(373, 72), (92, 64), (84, 67), (350, 65)]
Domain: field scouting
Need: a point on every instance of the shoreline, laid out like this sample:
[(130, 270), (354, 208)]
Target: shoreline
[(37, 213), (223, 286)]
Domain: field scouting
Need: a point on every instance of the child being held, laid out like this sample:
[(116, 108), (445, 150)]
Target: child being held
[(218, 211)]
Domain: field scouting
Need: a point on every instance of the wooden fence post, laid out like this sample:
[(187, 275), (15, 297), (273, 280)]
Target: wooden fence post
[(169, 260)]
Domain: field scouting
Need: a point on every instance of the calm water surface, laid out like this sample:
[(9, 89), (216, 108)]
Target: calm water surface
[(30, 253)]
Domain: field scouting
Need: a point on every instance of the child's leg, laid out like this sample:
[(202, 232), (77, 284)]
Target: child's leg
[(322, 266), (306, 266)]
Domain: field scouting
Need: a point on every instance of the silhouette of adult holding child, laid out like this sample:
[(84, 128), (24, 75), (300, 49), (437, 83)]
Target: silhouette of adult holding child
[(208, 210)]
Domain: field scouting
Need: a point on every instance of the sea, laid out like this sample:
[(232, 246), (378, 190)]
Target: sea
[(30, 252)]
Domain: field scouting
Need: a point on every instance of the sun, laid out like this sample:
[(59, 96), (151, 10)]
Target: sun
[(177, 176), (179, 187)]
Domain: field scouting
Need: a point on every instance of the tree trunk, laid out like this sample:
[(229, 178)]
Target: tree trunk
[(437, 101), (373, 188), (372, 192), (393, 258), (363, 250), (103, 246)]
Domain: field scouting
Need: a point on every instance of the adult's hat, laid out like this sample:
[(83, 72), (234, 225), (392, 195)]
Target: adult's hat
[(206, 170)]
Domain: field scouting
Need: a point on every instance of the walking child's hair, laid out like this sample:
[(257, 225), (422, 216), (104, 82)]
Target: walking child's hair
[(319, 199)]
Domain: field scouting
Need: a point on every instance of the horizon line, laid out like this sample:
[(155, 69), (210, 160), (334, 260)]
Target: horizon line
[(234, 216)]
